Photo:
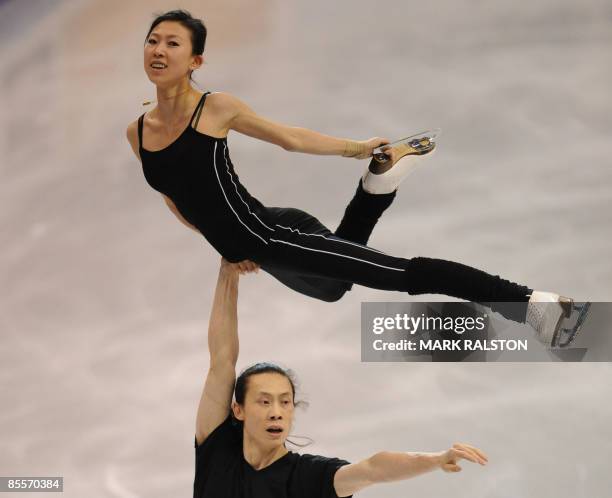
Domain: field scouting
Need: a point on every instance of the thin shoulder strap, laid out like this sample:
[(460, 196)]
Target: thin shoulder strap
[(140, 120), (198, 110)]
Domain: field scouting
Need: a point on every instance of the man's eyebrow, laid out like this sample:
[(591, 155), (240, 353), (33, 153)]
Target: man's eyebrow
[(270, 394)]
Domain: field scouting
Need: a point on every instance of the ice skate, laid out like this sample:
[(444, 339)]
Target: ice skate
[(383, 175), (570, 327), (556, 319), (416, 145)]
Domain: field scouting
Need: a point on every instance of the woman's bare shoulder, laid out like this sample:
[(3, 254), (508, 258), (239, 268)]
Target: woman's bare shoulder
[(132, 129), (222, 108), (131, 134), (223, 101), (227, 107)]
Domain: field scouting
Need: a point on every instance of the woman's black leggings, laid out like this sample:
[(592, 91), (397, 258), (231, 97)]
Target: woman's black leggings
[(307, 257)]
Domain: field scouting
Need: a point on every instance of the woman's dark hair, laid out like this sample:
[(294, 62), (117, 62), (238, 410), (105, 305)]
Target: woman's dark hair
[(242, 384), (195, 26)]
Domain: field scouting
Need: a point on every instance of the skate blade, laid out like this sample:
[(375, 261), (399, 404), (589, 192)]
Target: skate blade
[(421, 142), (572, 325)]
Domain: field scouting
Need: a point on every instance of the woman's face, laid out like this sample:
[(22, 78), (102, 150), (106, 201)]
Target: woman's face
[(167, 53), (268, 408)]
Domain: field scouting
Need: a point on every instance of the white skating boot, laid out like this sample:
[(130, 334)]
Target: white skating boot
[(383, 176), (549, 314)]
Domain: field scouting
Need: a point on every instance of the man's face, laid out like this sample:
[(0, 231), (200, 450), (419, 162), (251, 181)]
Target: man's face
[(268, 408)]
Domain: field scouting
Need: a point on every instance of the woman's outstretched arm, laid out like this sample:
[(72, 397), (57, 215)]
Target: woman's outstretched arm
[(241, 118), (216, 397), (388, 466)]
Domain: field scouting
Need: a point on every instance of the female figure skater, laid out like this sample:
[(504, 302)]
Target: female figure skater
[(240, 446), (182, 144)]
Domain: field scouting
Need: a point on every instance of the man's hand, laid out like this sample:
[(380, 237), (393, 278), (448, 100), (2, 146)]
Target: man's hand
[(242, 267), (459, 451)]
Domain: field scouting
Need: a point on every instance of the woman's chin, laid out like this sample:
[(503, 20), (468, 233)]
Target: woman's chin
[(162, 80)]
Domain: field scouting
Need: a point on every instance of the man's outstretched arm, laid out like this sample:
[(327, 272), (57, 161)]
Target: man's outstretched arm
[(388, 466)]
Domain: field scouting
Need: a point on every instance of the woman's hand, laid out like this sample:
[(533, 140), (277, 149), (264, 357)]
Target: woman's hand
[(363, 149), (459, 451), (242, 267), (373, 143)]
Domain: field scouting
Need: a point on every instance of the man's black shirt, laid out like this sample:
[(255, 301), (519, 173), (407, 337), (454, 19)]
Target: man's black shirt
[(222, 472)]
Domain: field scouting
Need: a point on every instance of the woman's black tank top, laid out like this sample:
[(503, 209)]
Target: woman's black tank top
[(196, 172)]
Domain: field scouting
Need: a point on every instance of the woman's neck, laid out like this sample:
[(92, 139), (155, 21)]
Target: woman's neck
[(174, 102)]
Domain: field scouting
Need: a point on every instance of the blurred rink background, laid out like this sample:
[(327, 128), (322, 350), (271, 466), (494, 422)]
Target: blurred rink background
[(106, 296)]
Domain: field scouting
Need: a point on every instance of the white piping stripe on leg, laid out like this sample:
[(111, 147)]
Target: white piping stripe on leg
[(337, 254), (226, 199), (335, 240), (236, 187)]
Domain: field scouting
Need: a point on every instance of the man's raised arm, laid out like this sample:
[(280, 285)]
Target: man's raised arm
[(216, 397)]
